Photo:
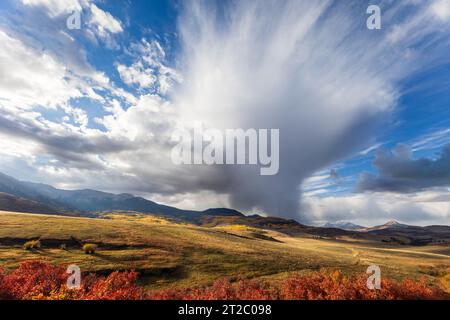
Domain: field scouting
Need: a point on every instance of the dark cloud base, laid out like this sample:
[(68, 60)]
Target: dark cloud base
[(399, 172)]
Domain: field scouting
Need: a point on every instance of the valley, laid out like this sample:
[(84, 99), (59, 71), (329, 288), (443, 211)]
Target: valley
[(168, 253)]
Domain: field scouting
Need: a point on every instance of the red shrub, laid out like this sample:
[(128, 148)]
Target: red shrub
[(32, 279), (317, 286), (117, 286), (220, 290), (41, 280)]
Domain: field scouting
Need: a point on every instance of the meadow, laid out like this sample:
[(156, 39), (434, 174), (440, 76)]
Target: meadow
[(169, 255)]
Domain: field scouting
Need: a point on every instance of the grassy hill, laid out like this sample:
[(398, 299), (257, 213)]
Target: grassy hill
[(167, 253), (21, 196), (16, 204)]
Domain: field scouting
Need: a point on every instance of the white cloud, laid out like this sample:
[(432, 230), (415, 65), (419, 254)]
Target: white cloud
[(99, 23), (371, 209), (149, 70), (149, 114), (79, 116), (432, 140), (201, 200), (32, 78), (57, 7), (104, 22), (136, 74), (428, 18), (35, 77), (441, 9), (368, 150), (317, 184)]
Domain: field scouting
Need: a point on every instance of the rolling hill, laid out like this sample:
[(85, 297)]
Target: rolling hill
[(393, 231), (16, 204), (167, 254), (21, 196), (91, 202)]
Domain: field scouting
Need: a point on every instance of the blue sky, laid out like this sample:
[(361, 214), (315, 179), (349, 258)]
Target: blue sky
[(363, 114), (422, 115)]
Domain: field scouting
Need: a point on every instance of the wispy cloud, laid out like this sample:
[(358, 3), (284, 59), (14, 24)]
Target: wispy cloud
[(432, 140), (374, 147)]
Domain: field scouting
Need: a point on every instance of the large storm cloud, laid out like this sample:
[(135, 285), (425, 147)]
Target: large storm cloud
[(316, 74)]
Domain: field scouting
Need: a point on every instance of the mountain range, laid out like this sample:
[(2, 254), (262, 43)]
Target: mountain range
[(343, 225), (22, 196), (18, 195)]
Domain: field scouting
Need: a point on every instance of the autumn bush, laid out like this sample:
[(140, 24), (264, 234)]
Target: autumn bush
[(317, 286), (40, 280), (31, 279), (44, 281), (89, 248), (33, 244)]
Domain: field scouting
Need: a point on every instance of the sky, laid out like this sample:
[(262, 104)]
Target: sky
[(363, 114)]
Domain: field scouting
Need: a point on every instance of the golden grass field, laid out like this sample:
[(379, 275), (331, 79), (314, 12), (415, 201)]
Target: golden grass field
[(171, 254)]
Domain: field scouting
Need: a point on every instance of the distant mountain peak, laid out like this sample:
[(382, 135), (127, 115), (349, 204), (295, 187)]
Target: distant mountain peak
[(343, 225), (392, 223)]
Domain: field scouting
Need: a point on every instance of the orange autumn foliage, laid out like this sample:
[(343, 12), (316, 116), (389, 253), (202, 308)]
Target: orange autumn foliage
[(38, 280), (317, 286), (42, 280)]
